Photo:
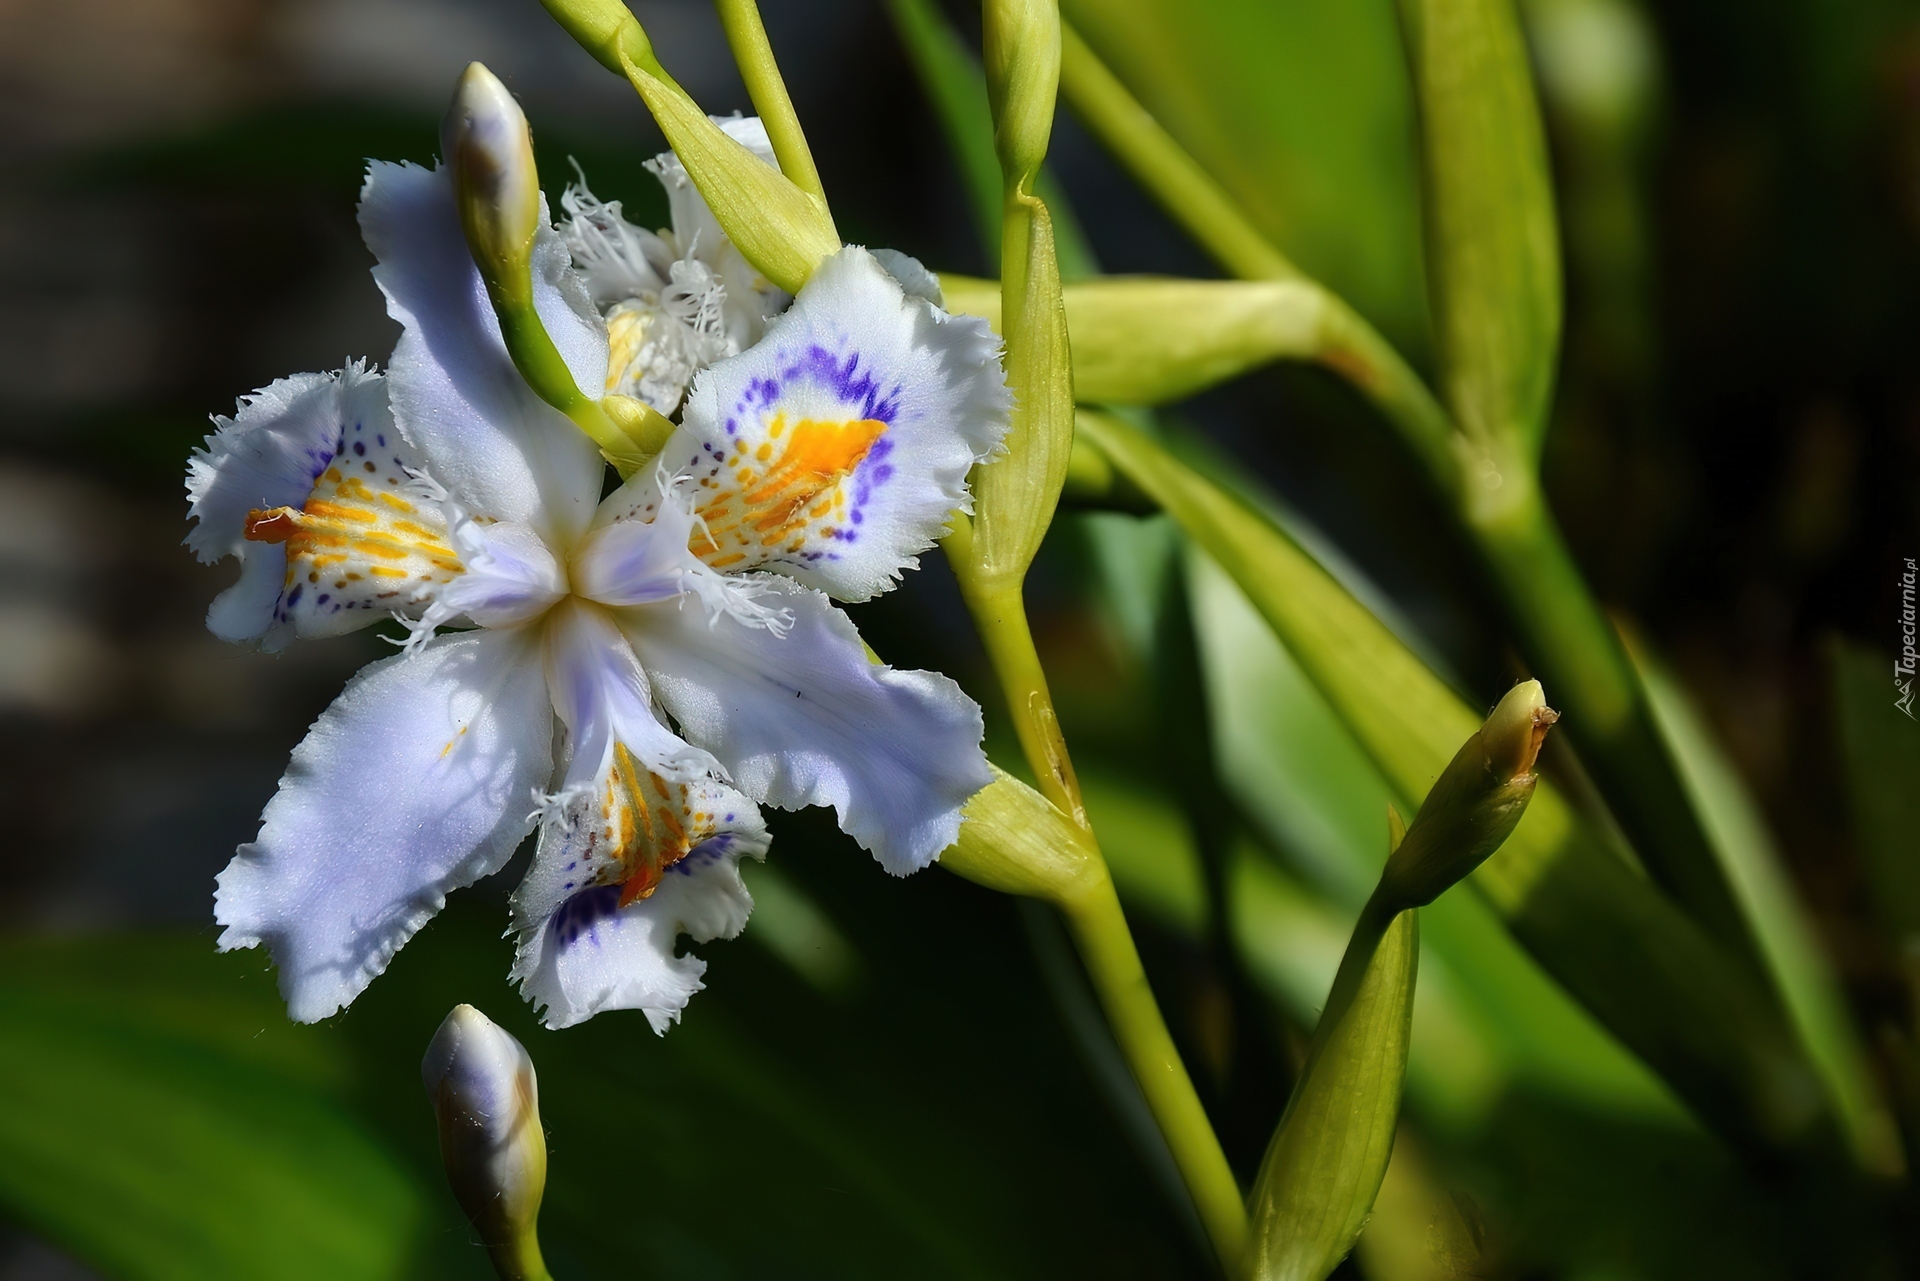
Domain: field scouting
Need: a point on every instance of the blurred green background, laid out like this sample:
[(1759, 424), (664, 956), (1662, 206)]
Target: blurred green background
[(909, 1078)]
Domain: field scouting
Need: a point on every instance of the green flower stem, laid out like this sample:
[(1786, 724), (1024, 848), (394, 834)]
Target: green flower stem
[(540, 363), (1015, 842), (1100, 930), (1182, 187), (1647, 971), (747, 36), (1000, 615), (1356, 351), (520, 1259), (1561, 629)]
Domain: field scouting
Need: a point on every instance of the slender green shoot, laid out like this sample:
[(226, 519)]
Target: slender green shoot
[(747, 36)]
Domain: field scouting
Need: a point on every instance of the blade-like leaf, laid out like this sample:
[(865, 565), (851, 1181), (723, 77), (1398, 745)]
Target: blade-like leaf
[(1486, 1015), (1800, 969), (1301, 112), (1640, 966), (156, 1150), (1881, 743), (178, 1126), (1326, 1160), (957, 90), (1493, 252)]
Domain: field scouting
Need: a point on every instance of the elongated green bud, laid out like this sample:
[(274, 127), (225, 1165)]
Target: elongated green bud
[(489, 153), (1325, 1163), (1022, 60), (487, 1102), (1147, 340), (1474, 806), (489, 148)]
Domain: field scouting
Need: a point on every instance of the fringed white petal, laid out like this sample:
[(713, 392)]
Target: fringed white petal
[(310, 484), (911, 275), (805, 719), (675, 302), (835, 450), (617, 881), (750, 298), (637, 562), (617, 259), (501, 451), (414, 783), (594, 955)]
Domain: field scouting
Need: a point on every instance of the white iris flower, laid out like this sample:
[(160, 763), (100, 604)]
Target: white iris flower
[(676, 301), (621, 658)]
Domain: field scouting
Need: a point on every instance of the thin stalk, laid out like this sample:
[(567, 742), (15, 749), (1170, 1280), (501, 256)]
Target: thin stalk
[(747, 36), (519, 1259), (1100, 929), (1359, 353), (1185, 190), (1000, 615)]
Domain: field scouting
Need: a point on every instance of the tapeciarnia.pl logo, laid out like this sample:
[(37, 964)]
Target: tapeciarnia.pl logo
[(1903, 666)]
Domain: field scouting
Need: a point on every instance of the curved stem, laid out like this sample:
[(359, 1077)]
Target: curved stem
[(1100, 930), (1001, 618), (1170, 175), (519, 1259), (747, 37)]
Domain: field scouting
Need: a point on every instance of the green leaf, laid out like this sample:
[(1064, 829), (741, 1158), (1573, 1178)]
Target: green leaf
[(957, 89), (1881, 748), (1633, 959), (1798, 966), (1325, 1163), (1300, 111), (1493, 252), (156, 1141), (931, 1122)]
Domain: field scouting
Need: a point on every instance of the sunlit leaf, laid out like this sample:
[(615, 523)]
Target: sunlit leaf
[(1641, 967), (1493, 251), (1301, 111), (150, 1138), (1486, 1016), (1800, 969)]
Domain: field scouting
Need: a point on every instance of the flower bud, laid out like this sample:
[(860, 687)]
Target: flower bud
[(489, 150), (487, 1101), (1021, 41), (1474, 806)]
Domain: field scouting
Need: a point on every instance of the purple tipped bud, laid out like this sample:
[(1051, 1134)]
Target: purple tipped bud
[(489, 150), (487, 1101)]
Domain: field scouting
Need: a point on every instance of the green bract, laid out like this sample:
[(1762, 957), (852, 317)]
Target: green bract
[(779, 228)]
